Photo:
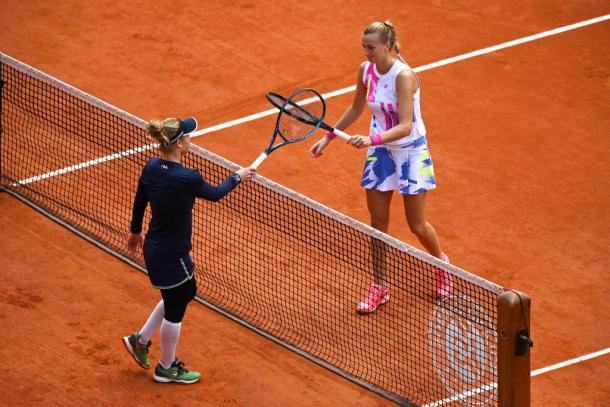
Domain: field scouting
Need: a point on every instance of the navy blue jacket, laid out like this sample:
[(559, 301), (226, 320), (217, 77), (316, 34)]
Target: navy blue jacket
[(171, 190)]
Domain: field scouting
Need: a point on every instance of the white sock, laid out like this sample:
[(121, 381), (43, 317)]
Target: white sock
[(170, 333), (153, 323)]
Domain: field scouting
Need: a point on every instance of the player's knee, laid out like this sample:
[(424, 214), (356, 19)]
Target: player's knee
[(380, 222), (419, 228), (175, 311), (174, 315)]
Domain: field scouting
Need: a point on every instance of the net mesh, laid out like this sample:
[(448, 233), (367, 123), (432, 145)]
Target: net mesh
[(265, 255)]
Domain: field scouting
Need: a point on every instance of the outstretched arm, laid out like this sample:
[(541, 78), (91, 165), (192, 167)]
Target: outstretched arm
[(207, 191)]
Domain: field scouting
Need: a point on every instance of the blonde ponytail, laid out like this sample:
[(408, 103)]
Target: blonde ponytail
[(162, 132)]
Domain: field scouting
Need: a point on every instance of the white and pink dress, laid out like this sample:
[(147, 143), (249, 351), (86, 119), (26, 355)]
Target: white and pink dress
[(405, 164)]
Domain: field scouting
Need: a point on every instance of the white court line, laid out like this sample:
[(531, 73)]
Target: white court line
[(84, 165), (437, 64), (570, 362), (492, 386), (335, 93)]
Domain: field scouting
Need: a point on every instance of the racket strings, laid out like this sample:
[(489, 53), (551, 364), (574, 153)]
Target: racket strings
[(296, 121), (292, 130), (312, 114)]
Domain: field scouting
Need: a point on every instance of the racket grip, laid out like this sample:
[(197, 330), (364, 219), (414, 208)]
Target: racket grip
[(259, 160), (341, 134)]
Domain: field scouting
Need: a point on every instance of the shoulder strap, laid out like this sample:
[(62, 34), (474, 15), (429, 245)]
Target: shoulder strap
[(368, 69)]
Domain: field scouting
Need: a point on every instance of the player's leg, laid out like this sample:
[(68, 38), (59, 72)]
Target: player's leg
[(170, 368), (153, 323), (378, 203), (138, 344), (415, 211)]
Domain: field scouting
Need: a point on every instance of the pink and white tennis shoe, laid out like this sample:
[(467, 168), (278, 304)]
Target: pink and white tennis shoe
[(444, 280), (378, 294)]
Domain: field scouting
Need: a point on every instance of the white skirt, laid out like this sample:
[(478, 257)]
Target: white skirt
[(406, 168)]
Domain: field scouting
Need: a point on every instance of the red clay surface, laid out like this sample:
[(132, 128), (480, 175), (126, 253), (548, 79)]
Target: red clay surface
[(518, 137)]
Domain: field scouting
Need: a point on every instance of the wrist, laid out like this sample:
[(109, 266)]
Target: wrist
[(376, 139), (236, 178), (330, 135)]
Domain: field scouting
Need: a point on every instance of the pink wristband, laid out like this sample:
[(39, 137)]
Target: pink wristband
[(330, 135), (376, 139)]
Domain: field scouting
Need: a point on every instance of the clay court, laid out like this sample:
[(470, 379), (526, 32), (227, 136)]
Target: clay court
[(520, 143)]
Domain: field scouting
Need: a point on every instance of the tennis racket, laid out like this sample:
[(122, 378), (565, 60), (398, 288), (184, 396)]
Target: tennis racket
[(294, 123), (307, 114)]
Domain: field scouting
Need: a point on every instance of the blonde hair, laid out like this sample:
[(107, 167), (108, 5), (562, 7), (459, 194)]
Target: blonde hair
[(387, 35), (163, 131)]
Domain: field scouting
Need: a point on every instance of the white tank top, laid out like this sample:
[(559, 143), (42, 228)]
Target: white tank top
[(382, 99)]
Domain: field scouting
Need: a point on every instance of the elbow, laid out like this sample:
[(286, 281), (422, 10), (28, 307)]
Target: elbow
[(398, 132), (217, 197), (357, 110), (405, 130)]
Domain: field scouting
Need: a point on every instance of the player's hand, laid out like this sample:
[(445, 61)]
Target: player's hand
[(246, 174), (360, 141), (316, 150), (135, 240)]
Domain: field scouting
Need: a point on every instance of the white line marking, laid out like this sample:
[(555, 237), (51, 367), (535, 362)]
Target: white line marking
[(463, 395), (513, 43), (492, 386), (437, 64), (84, 165), (334, 93), (235, 122), (570, 362)]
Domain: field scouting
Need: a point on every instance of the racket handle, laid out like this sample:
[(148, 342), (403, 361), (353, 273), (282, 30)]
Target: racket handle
[(259, 160), (341, 134)]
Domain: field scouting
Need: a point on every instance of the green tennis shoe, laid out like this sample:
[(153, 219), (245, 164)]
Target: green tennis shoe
[(176, 373), (137, 350)]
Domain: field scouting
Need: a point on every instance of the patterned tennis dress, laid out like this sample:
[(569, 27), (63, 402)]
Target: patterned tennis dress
[(405, 164)]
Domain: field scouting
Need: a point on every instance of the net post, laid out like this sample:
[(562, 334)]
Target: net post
[(513, 349)]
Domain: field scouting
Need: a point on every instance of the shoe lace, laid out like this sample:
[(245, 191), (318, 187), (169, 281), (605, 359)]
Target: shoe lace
[(144, 347), (180, 366)]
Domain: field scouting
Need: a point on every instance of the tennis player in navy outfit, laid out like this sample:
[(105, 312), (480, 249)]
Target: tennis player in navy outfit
[(170, 189)]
